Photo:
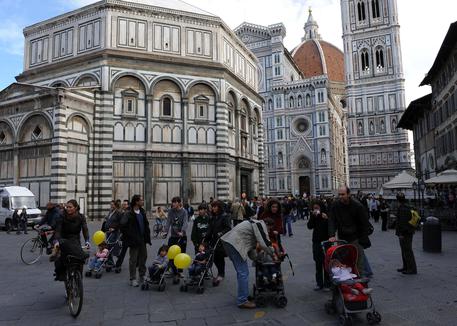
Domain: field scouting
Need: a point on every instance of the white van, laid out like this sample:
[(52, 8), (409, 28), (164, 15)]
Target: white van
[(17, 197)]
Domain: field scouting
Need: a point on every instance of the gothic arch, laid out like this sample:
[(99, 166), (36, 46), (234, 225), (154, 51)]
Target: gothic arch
[(8, 128), (56, 82), (302, 162), (82, 116), (236, 98)]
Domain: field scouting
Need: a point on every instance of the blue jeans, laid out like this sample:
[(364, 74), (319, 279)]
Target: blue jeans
[(288, 223), (95, 263), (242, 273)]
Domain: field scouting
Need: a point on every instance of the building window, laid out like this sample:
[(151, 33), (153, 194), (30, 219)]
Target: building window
[(393, 125), (201, 107), (280, 158), (299, 101), (360, 129), (361, 11), (379, 60), (270, 104), (321, 116), (230, 118), (278, 101), (279, 122), (129, 102), (279, 134), (37, 133), (291, 102), (323, 156), (308, 100), (322, 130), (166, 107), (375, 8), (277, 58), (365, 59), (281, 184), (277, 71), (2, 137), (272, 183)]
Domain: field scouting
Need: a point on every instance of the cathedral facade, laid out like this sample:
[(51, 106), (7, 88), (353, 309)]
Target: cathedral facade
[(378, 150), (123, 97), (304, 114)]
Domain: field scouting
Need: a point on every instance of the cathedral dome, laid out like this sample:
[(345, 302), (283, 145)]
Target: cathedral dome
[(316, 57)]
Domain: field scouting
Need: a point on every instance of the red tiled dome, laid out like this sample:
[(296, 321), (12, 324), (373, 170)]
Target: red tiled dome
[(308, 58)]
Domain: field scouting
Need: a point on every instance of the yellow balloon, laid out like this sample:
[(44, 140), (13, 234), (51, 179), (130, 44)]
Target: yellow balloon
[(173, 251), (99, 237), (182, 261)]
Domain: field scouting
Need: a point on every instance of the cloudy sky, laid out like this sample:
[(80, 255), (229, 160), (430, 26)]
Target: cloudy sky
[(423, 27)]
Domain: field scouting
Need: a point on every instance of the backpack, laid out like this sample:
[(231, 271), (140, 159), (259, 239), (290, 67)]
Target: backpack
[(415, 218)]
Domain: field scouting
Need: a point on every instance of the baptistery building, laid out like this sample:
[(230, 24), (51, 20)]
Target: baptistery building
[(133, 96), (304, 114)]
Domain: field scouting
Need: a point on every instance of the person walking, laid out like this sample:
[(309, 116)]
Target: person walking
[(287, 216), (318, 222), (23, 220), (405, 233), (14, 222), (384, 211), (348, 218), (374, 208), (177, 221), (219, 225), (137, 235), (241, 242), (200, 227), (123, 228), (273, 211), (237, 212)]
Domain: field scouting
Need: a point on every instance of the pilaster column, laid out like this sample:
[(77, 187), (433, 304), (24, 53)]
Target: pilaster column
[(260, 144), (102, 164), (149, 108), (148, 200), (185, 115), (59, 150), (222, 170)]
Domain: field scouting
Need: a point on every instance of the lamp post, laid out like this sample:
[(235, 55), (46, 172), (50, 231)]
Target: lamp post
[(414, 190), (422, 188)]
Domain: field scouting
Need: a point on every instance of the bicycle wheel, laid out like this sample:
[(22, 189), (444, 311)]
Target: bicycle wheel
[(74, 288), (31, 251)]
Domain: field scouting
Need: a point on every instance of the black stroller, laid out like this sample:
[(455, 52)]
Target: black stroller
[(156, 279), (197, 279), (114, 246)]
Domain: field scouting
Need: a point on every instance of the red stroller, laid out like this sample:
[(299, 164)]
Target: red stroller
[(344, 302)]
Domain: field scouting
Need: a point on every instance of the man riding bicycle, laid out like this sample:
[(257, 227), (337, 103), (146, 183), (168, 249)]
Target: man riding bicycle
[(48, 223)]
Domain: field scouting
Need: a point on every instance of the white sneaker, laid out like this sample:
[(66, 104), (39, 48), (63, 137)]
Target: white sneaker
[(134, 283)]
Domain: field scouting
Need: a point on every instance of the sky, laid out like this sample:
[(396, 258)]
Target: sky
[(423, 27)]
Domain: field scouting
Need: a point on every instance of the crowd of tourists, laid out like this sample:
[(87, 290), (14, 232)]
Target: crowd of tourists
[(236, 230)]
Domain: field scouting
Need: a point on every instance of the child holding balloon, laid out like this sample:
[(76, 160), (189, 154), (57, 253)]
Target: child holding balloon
[(100, 256)]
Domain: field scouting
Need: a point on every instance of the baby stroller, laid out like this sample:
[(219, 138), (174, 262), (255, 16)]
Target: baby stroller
[(114, 246), (269, 281), (343, 303), (197, 280), (156, 279)]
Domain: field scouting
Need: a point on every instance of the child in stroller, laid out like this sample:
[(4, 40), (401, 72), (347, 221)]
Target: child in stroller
[(157, 270), (350, 293), (199, 270), (96, 263), (268, 275)]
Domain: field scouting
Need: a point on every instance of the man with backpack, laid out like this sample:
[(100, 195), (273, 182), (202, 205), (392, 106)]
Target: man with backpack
[(405, 231)]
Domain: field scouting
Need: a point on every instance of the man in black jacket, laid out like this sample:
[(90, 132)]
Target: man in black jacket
[(349, 218), (137, 235), (405, 232)]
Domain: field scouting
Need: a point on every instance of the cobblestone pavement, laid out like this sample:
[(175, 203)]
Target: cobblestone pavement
[(29, 296)]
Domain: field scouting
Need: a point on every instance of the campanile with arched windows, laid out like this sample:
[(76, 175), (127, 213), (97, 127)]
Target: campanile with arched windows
[(375, 92)]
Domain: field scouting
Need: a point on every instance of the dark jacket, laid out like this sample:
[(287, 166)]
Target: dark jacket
[(403, 216), (199, 229), (277, 218), (319, 226), (51, 217), (70, 228), (114, 221), (218, 226), (351, 221), (132, 235)]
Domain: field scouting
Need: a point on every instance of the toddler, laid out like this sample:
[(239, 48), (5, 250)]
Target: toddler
[(341, 272), (160, 263), (200, 260), (100, 256)]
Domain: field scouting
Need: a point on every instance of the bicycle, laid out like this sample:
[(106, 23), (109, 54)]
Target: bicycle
[(74, 284), (157, 229), (32, 249)]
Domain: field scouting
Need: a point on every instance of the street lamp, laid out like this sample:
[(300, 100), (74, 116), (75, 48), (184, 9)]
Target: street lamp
[(414, 190), (422, 188)]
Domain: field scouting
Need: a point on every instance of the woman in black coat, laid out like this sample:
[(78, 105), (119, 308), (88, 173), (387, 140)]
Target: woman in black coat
[(318, 222), (219, 224)]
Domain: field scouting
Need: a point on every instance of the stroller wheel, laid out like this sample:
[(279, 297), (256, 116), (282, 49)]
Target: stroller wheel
[(377, 317), (176, 280), (345, 320), (108, 269), (281, 301), (98, 275), (200, 290), (260, 301), (117, 270), (143, 287), (161, 287), (329, 308), (88, 274)]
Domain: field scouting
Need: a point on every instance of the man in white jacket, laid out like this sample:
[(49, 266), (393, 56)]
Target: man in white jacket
[(241, 242)]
